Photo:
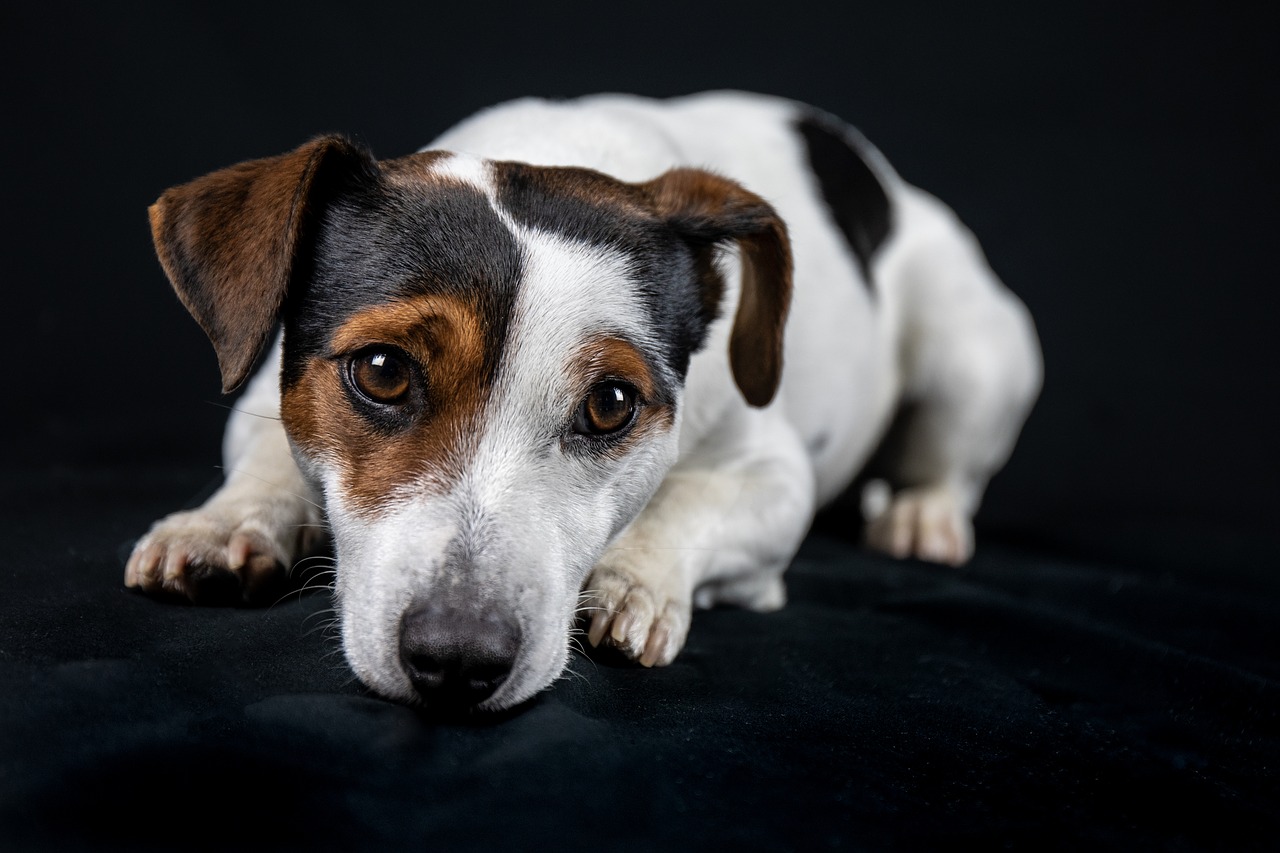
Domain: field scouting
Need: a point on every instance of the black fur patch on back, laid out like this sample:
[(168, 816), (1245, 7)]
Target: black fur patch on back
[(853, 193)]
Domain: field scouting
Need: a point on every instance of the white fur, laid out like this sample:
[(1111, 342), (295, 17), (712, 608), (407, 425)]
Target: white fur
[(713, 510), (530, 516)]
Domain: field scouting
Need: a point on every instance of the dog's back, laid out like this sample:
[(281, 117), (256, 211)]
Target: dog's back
[(862, 243)]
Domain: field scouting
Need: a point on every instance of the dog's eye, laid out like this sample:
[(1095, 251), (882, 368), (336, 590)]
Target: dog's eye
[(609, 407), (382, 375)]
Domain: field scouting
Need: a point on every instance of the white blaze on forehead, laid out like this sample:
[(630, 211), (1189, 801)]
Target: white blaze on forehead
[(466, 170), (546, 514), (569, 292)]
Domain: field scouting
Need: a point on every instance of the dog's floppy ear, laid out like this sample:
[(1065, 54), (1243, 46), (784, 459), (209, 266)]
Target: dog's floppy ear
[(709, 211), (228, 242)]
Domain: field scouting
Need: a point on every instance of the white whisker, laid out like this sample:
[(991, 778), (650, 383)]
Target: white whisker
[(243, 411)]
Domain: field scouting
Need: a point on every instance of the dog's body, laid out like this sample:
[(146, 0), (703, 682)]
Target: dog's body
[(525, 391)]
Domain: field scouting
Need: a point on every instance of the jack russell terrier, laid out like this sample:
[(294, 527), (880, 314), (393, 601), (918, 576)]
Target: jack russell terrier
[(537, 373)]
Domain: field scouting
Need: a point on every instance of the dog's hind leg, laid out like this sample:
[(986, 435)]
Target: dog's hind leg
[(238, 544), (971, 370)]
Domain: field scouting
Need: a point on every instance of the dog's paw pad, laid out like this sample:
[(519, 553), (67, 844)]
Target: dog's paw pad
[(927, 523), (646, 625), (205, 558)]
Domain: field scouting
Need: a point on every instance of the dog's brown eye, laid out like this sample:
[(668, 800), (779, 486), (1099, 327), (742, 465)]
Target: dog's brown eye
[(607, 408), (381, 375)]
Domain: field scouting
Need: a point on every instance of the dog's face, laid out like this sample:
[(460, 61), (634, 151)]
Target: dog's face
[(484, 414), (483, 371)]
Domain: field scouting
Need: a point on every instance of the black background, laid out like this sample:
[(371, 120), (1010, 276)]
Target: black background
[(1104, 674), (1116, 160)]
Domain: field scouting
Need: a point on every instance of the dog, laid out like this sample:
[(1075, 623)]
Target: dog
[(579, 365)]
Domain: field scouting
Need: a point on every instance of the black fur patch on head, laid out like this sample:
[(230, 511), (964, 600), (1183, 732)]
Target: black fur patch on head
[(853, 193), (379, 240), (587, 206)]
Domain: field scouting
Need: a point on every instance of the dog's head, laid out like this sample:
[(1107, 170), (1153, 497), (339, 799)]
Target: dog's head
[(483, 371)]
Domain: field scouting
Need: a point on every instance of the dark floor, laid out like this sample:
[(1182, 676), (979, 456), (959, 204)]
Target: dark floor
[(1035, 698)]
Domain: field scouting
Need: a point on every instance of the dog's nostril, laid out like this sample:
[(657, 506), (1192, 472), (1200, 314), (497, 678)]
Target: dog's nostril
[(486, 679), (454, 657), (428, 669)]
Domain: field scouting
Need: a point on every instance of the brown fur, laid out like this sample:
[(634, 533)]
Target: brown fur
[(713, 208), (227, 242), (612, 358), (443, 335)]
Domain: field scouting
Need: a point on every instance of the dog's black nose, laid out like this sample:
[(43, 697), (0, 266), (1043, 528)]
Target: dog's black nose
[(456, 658)]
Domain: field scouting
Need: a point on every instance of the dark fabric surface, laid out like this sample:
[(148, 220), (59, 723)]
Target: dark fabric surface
[(1030, 699)]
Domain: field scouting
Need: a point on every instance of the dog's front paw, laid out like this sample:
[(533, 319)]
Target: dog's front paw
[(646, 624), (211, 556), (926, 522)]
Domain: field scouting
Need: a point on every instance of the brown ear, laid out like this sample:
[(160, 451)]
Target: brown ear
[(228, 242), (709, 211)]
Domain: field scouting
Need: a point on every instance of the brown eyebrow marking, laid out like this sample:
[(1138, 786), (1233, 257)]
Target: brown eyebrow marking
[(610, 357), (444, 335), (604, 358)]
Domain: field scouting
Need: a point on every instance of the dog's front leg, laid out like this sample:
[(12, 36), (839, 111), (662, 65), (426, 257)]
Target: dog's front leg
[(243, 538), (721, 529)]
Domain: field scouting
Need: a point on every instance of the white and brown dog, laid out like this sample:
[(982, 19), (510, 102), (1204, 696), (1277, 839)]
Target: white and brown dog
[(539, 370)]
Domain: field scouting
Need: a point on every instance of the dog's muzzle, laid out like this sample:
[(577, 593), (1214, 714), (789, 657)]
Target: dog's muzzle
[(457, 657)]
